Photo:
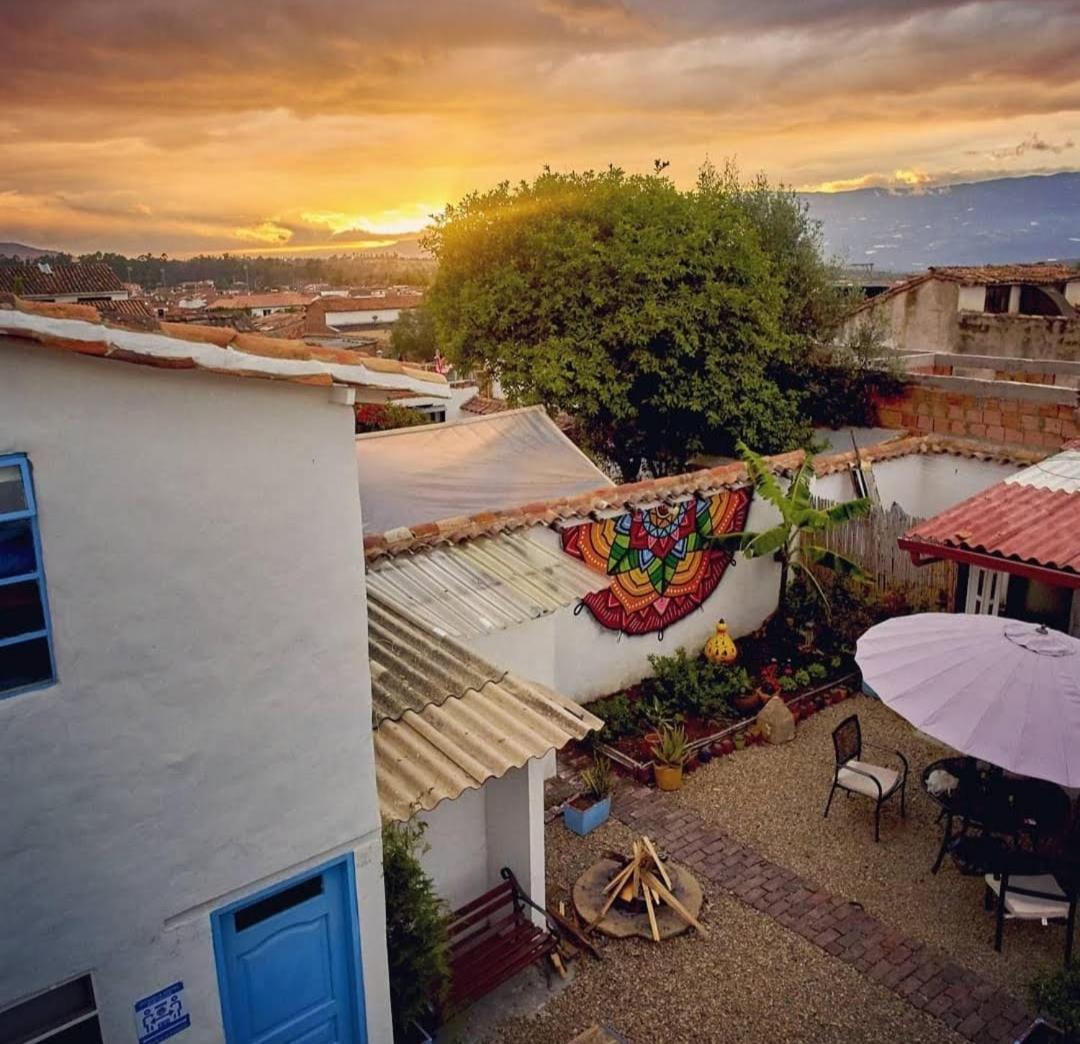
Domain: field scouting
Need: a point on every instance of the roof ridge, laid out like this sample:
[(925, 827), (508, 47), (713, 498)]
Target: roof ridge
[(82, 329), (616, 499)]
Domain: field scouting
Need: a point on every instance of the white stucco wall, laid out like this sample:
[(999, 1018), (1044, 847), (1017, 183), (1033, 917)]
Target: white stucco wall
[(337, 320), (472, 837), (971, 299), (922, 484), (210, 730), (1072, 292)]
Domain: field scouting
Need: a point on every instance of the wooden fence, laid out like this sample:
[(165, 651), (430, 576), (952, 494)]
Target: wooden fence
[(871, 541)]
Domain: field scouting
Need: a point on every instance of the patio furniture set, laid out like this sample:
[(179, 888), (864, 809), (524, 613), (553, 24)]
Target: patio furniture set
[(1005, 695)]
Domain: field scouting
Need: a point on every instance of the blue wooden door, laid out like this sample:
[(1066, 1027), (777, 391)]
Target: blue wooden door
[(288, 963)]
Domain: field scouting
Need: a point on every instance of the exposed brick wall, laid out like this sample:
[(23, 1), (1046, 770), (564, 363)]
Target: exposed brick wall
[(924, 408)]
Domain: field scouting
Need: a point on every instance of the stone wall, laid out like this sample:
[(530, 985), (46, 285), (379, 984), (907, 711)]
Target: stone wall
[(1022, 414), (1024, 336)]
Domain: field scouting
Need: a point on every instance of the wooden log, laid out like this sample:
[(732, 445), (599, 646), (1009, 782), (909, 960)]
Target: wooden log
[(647, 892), (656, 859), (674, 903), (575, 933)]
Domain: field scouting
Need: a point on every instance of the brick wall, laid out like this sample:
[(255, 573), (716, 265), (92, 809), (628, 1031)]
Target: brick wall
[(1006, 417)]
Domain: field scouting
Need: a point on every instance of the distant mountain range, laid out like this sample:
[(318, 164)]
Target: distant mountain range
[(22, 251), (1033, 218)]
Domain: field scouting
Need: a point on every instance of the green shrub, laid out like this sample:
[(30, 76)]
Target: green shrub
[(1057, 995), (416, 939), (598, 778), (788, 683), (693, 685), (802, 679), (618, 716), (818, 671)]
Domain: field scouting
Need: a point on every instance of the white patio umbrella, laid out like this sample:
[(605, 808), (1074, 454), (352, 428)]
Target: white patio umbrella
[(1000, 690)]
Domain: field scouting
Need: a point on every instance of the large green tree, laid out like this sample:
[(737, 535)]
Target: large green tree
[(652, 315)]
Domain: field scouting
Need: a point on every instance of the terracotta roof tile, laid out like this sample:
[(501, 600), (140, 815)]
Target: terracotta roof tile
[(611, 500), (83, 277), (282, 299), (988, 275), (218, 349), (1031, 517), (483, 405)]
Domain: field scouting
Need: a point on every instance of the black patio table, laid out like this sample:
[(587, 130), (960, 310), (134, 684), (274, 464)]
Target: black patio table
[(1000, 807)]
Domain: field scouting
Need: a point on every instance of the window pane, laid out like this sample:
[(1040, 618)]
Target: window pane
[(17, 548), (25, 663), (88, 1032), (21, 610), (12, 494)]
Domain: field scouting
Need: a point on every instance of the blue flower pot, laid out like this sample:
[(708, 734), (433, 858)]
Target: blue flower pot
[(582, 821)]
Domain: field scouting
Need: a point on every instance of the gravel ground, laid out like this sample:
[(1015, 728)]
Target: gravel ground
[(772, 798), (752, 980)]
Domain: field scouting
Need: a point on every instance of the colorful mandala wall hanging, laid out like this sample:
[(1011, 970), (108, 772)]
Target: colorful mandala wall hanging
[(659, 561)]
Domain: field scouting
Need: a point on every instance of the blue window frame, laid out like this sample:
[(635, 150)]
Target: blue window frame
[(26, 653)]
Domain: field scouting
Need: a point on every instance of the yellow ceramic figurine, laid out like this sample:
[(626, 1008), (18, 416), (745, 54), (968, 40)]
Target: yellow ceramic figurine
[(720, 648)]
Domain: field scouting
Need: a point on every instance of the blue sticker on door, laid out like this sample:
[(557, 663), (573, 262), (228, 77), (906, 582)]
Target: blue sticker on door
[(161, 1015)]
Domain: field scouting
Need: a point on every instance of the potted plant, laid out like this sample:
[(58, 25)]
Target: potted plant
[(593, 805), (669, 756)]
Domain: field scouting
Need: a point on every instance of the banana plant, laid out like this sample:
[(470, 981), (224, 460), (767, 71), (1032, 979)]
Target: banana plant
[(787, 540)]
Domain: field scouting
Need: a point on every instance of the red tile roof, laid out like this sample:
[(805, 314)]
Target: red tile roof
[(1031, 518), (84, 277), (611, 500), (1018, 523), (988, 275), (218, 349), (283, 299), (369, 303), (124, 308), (483, 405)]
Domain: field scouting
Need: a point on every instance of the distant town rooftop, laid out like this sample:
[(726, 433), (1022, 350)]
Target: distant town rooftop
[(44, 279), (80, 329)]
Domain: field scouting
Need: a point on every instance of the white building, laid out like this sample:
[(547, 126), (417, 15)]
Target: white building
[(190, 814), (357, 313)]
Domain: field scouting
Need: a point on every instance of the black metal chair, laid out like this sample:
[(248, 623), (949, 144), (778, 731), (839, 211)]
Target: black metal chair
[(856, 776), (1026, 887)]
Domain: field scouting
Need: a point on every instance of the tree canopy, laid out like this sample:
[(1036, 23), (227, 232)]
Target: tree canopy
[(659, 318)]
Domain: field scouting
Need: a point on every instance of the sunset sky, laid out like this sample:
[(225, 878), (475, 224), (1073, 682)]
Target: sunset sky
[(138, 125)]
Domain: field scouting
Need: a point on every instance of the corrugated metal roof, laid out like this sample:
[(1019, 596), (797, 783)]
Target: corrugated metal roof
[(482, 585), (446, 720), (1059, 472), (1031, 517)]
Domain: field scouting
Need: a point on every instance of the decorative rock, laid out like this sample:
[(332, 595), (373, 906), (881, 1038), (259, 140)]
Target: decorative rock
[(780, 720)]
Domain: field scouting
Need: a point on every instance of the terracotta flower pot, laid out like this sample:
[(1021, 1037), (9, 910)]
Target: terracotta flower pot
[(668, 777)]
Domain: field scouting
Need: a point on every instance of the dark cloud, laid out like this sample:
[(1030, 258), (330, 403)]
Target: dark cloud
[(1032, 143)]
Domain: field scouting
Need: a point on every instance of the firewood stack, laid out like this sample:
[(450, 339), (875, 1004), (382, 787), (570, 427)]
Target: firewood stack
[(643, 876)]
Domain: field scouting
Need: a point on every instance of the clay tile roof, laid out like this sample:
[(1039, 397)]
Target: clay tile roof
[(1031, 517), (219, 349), (481, 404), (988, 275), (614, 500), (83, 277), (370, 304), (282, 299), (124, 308)]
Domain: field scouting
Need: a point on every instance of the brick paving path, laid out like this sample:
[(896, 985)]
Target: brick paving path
[(963, 1000)]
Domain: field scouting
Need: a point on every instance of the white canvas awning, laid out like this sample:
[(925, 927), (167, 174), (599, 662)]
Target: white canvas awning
[(414, 475)]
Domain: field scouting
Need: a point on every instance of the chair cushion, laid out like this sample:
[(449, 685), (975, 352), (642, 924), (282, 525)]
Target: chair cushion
[(1031, 907), (859, 784)]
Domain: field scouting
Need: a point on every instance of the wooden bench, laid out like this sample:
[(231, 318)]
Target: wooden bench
[(492, 939)]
